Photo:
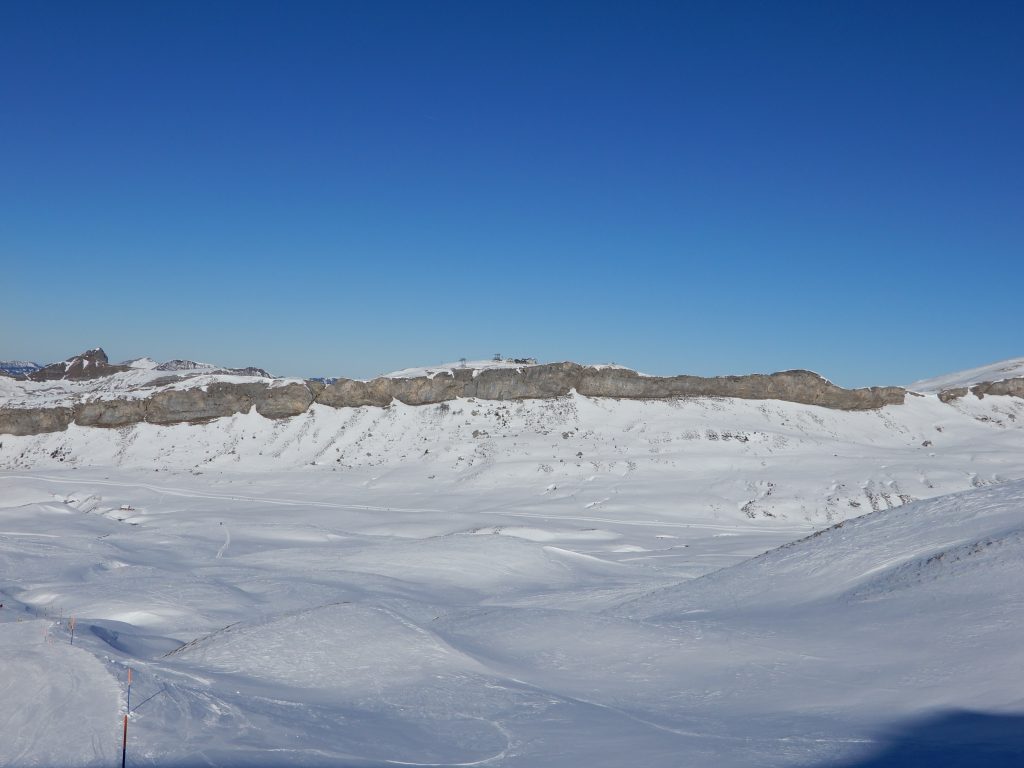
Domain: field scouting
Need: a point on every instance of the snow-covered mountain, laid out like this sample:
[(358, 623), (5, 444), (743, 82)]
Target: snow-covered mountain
[(18, 367), (718, 459)]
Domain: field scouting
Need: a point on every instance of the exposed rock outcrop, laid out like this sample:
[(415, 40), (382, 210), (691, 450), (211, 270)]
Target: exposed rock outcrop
[(91, 364), (1012, 387), (794, 386), (193, 367), (33, 421), (168, 407), (949, 395), (109, 413), (558, 379), (220, 399)]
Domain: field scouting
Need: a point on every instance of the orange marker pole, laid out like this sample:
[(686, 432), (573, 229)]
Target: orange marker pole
[(124, 742)]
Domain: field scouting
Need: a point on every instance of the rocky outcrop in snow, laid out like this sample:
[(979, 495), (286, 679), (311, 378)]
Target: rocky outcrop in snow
[(190, 366), (201, 393), (34, 421), (1011, 387), (558, 379), (173, 406)]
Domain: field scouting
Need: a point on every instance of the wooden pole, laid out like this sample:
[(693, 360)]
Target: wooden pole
[(129, 707), (124, 742)]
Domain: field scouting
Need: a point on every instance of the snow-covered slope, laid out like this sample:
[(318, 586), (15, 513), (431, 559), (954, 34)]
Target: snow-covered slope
[(717, 460), (1005, 369), (511, 583), (290, 619)]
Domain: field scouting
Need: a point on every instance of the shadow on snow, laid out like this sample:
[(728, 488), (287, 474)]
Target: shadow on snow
[(951, 740)]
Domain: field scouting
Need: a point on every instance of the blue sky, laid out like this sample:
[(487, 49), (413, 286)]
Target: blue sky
[(349, 188)]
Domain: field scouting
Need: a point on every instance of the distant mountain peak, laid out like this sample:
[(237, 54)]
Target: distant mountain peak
[(91, 364), (18, 368)]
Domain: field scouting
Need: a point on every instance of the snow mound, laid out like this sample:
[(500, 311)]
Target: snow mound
[(974, 540), (342, 648)]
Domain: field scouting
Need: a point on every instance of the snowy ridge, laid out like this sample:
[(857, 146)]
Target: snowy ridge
[(480, 365), (18, 367), (447, 368), (135, 383), (1006, 369)]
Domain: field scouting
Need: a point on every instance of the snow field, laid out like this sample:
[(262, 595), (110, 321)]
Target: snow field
[(570, 585)]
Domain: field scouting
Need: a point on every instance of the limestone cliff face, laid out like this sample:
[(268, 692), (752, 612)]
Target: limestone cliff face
[(226, 399), (1012, 387), (33, 421), (220, 399), (794, 386), (110, 413), (168, 407), (558, 379)]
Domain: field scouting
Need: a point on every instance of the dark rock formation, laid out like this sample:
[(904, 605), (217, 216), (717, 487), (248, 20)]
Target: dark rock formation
[(91, 364)]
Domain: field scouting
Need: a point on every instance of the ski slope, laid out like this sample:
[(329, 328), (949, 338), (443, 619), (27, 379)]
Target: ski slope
[(567, 582), (277, 621), (58, 704)]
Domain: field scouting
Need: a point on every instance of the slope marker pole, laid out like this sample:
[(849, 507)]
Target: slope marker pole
[(71, 626), (124, 742)]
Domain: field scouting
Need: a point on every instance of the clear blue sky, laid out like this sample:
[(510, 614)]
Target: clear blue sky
[(348, 188)]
